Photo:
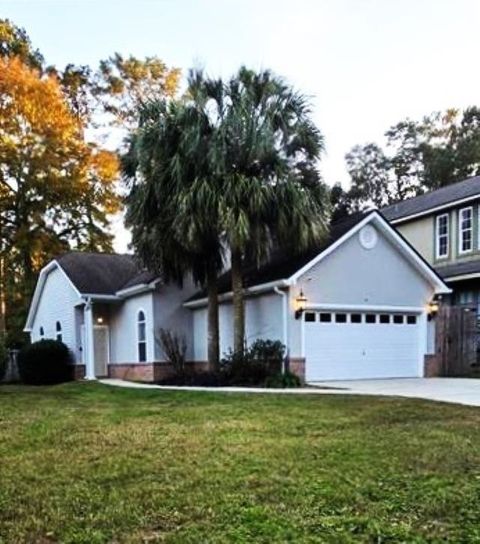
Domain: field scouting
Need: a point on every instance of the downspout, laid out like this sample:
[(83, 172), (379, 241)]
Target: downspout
[(284, 296)]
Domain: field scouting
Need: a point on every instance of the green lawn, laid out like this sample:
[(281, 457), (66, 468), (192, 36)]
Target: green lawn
[(88, 463)]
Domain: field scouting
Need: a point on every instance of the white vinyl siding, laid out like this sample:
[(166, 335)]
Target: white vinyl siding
[(442, 236), (56, 305), (124, 323), (465, 230)]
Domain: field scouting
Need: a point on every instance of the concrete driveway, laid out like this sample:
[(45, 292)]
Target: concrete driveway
[(456, 390)]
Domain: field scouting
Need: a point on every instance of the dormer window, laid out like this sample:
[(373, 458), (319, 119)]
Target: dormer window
[(465, 230), (442, 236)]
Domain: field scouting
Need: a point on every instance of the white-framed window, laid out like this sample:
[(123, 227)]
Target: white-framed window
[(58, 328), (41, 333), (141, 336), (442, 235), (465, 230)]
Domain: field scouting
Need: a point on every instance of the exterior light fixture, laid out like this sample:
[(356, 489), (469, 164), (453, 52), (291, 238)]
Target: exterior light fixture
[(99, 320), (432, 309), (300, 303)]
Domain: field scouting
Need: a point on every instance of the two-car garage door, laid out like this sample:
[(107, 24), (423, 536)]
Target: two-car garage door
[(353, 345)]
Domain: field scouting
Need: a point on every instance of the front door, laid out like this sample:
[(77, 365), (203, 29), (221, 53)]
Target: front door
[(101, 350)]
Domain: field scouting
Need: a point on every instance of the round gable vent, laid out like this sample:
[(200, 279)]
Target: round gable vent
[(368, 237)]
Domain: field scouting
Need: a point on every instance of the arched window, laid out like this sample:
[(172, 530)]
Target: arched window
[(42, 333), (58, 328), (141, 337)]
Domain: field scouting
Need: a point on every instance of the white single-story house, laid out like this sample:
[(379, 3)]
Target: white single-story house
[(356, 307)]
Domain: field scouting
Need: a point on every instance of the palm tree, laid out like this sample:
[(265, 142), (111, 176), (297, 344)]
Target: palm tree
[(171, 232), (263, 154)]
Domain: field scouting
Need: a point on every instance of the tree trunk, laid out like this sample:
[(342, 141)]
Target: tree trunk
[(238, 303), (3, 309), (213, 331)]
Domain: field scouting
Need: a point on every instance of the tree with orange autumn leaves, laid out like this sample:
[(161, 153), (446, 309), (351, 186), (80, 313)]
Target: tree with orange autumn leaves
[(56, 190), (59, 191)]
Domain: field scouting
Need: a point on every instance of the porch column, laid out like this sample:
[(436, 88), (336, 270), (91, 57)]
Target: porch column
[(89, 346)]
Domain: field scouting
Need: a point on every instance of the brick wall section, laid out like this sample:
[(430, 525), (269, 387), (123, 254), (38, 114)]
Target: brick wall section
[(297, 366), (78, 372), (432, 366), (149, 372)]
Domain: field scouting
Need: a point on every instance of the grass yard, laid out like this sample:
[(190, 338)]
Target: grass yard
[(88, 463)]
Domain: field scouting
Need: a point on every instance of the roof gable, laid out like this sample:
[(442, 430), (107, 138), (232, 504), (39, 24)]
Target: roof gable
[(37, 294), (281, 266), (288, 270), (106, 275)]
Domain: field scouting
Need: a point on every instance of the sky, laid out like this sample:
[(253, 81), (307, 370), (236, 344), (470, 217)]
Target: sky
[(365, 64)]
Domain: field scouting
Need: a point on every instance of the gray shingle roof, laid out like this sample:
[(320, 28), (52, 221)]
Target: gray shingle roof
[(103, 273), (441, 197)]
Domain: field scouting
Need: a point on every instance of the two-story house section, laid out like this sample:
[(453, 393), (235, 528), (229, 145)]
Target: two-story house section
[(444, 227)]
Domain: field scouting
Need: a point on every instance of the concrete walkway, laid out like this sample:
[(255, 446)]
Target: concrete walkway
[(297, 391), (454, 390)]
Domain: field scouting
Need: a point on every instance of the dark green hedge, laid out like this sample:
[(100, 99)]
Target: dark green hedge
[(45, 362)]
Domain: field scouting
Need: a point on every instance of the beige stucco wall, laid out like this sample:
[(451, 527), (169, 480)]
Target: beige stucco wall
[(420, 233)]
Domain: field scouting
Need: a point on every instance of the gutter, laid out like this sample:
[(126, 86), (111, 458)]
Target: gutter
[(462, 277), (256, 289), (99, 296), (123, 293), (136, 289)]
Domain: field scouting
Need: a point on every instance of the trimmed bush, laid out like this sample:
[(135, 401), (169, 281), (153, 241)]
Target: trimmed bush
[(44, 363)]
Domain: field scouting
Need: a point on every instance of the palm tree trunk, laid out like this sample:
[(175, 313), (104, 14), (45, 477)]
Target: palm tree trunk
[(238, 302), (213, 330)]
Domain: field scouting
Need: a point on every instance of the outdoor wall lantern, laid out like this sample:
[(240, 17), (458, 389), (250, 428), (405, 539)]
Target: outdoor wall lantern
[(432, 309), (99, 320), (300, 303)]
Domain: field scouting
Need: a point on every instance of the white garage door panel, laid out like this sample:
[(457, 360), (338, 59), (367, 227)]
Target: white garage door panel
[(343, 351)]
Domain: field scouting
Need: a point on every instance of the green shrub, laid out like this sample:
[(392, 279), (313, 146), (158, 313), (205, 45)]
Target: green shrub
[(255, 364), (3, 357), (280, 381), (45, 362)]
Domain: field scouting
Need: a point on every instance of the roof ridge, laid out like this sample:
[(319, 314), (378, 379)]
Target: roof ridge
[(106, 253)]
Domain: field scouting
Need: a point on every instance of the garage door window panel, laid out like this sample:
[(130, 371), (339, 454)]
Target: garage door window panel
[(384, 319), (370, 319), (340, 318), (325, 318), (356, 318), (310, 317), (398, 319)]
